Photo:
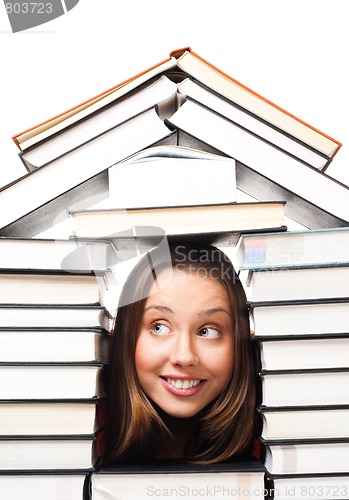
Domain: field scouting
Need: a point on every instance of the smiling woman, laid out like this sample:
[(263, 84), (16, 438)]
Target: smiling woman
[(181, 379)]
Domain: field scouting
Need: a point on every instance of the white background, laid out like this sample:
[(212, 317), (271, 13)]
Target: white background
[(293, 52)]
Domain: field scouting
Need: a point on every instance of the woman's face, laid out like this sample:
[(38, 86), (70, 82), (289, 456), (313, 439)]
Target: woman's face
[(184, 352)]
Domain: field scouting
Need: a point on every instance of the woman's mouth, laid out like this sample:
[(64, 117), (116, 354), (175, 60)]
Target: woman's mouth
[(182, 386)]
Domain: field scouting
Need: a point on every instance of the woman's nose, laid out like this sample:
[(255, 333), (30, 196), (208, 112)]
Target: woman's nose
[(184, 352)]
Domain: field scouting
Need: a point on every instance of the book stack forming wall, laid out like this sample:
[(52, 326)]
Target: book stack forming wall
[(180, 149), (53, 345), (298, 290)]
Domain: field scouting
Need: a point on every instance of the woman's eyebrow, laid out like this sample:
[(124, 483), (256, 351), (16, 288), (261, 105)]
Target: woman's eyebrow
[(213, 310), (159, 308)]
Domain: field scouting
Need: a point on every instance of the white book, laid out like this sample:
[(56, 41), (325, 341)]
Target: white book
[(56, 316), (51, 288), (56, 254), (35, 345), (43, 453), (305, 248), (304, 388), (161, 93), (84, 110), (56, 418), (323, 352), (68, 486), (238, 93), (317, 317), (315, 422), (307, 458), (170, 176), (296, 283), (237, 479), (247, 120), (50, 381)]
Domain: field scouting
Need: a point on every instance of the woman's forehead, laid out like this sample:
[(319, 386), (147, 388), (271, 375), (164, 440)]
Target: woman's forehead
[(189, 284)]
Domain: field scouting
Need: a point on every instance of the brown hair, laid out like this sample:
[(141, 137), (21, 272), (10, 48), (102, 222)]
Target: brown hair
[(134, 428)]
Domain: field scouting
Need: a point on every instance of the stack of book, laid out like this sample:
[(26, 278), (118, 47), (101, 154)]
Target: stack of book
[(54, 342), (298, 290), (180, 149)]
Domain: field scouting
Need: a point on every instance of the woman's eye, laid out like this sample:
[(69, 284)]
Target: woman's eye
[(160, 329), (209, 333)]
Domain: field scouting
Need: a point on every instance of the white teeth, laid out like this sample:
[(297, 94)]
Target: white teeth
[(183, 384)]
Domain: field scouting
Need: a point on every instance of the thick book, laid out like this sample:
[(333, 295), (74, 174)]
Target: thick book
[(304, 422), (48, 287), (181, 220), (300, 317), (293, 248), (54, 316), (33, 453), (39, 187), (296, 282), (189, 63), (51, 381), (205, 72), (33, 485), (172, 175), (239, 479), (303, 352), (308, 487), (67, 118), (305, 387), (54, 345), (313, 198), (70, 255), (48, 417), (261, 128), (321, 456), (162, 93), (44, 219)]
